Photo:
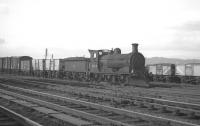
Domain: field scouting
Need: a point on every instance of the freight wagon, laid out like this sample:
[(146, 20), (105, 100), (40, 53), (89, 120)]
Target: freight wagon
[(25, 65), (6, 64), (192, 73), (16, 65), (179, 73), (164, 72), (48, 68)]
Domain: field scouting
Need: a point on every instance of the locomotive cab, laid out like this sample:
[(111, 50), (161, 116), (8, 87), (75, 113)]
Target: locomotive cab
[(95, 56)]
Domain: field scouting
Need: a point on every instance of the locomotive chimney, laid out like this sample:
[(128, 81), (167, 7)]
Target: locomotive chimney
[(134, 48)]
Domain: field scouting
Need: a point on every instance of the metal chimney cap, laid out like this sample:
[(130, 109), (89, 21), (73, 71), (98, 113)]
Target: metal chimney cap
[(135, 44)]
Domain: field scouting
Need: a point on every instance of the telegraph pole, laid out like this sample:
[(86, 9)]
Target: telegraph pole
[(51, 63), (44, 62), (46, 53)]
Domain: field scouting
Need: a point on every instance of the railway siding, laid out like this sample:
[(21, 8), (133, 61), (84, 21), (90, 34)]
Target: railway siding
[(182, 107), (143, 98), (108, 108), (192, 110)]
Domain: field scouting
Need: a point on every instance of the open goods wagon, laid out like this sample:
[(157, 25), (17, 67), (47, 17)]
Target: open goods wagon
[(45, 67)]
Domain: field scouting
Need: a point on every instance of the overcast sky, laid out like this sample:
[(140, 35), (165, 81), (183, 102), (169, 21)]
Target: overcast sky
[(163, 28)]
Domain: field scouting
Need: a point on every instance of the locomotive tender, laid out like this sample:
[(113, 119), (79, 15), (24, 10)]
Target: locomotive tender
[(103, 65)]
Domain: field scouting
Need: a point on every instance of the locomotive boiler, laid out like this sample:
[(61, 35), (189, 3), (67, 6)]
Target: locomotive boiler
[(123, 63)]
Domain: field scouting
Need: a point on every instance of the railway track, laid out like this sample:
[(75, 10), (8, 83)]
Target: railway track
[(181, 97), (11, 118), (192, 95), (105, 114), (46, 116), (175, 94), (76, 110), (177, 108), (189, 109)]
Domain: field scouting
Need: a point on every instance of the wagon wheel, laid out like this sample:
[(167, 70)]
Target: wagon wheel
[(109, 78), (100, 78), (96, 77), (118, 79), (70, 76), (122, 79), (105, 78), (92, 77), (154, 78), (77, 76), (114, 78), (84, 77), (168, 79)]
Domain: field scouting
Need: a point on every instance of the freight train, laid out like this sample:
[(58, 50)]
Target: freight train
[(178, 73), (102, 65)]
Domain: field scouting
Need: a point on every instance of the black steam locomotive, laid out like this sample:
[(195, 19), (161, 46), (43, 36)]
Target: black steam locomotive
[(103, 65)]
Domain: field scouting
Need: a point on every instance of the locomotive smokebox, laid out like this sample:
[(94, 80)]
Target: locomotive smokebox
[(134, 48)]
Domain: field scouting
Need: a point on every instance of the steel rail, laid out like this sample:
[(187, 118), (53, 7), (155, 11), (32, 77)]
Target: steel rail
[(170, 102), (19, 118), (149, 102), (147, 99), (83, 114)]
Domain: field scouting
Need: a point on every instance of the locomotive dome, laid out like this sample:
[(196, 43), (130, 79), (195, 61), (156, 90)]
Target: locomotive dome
[(117, 51)]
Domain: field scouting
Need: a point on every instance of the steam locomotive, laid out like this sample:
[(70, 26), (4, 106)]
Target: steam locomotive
[(106, 65), (102, 65)]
